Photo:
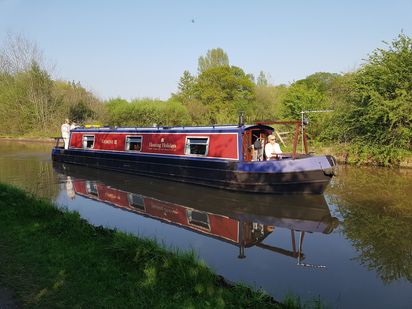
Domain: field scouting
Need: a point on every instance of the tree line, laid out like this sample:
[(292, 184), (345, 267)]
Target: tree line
[(371, 106)]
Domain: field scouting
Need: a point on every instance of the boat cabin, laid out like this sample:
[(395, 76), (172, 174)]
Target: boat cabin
[(229, 157), (215, 142)]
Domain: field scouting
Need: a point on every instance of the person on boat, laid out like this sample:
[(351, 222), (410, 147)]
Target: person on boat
[(73, 125), (257, 149), (66, 133), (272, 149)]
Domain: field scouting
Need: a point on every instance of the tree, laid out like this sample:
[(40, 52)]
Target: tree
[(225, 91), (26, 103), (322, 81), (186, 87), (18, 54), (300, 97), (30, 100), (269, 100), (377, 119), (76, 103), (147, 112), (80, 112), (262, 80), (318, 91), (39, 95), (214, 58)]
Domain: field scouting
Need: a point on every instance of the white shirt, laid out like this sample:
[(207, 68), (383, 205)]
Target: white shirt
[(65, 130), (272, 149)]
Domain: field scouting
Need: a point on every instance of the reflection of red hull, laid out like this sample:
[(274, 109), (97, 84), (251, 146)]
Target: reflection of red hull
[(241, 219), (216, 225)]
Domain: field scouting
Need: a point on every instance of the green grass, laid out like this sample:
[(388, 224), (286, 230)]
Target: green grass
[(54, 259)]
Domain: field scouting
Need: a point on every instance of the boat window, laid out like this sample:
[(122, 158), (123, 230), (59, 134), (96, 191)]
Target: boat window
[(136, 200), (88, 141), (134, 143), (197, 145), (91, 188), (198, 218)]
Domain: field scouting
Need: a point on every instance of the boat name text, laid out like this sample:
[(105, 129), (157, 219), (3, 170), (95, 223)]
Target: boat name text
[(162, 146)]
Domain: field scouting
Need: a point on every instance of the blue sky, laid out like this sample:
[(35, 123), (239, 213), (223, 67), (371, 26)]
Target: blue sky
[(135, 49)]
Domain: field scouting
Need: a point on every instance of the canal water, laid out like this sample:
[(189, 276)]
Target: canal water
[(351, 247)]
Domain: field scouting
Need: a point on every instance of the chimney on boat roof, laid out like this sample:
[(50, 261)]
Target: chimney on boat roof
[(241, 119)]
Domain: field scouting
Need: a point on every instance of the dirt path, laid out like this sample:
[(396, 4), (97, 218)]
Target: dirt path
[(6, 299)]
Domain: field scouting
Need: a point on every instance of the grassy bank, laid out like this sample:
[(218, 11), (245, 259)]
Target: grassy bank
[(29, 139), (343, 155), (55, 259)]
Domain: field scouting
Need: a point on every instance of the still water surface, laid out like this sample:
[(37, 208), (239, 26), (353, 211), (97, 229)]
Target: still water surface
[(352, 246)]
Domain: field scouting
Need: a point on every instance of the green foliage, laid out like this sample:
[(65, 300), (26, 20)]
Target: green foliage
[(76, 100), (268, 103), (31, 103), (147, 112), (262, 80), (225, 91), (322, 81), (299, 98), (217, 95), (214, 58), (186, 87), (311, 93), (302, 96), (376, 119), (27, 102), (80, 112)]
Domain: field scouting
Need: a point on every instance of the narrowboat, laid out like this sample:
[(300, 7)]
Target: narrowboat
[(220, 156), (240, 219)]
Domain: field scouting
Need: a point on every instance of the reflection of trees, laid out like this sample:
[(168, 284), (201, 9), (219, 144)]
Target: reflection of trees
[(377, 210), (28, 166)]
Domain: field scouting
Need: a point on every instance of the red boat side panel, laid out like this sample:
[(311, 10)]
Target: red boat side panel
[(76, 140), (221, 145), (165, 211), (113, 196), (80, 187), (224, 227), (219, 226)]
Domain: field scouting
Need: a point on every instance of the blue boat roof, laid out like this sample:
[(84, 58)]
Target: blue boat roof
[(216, 128)]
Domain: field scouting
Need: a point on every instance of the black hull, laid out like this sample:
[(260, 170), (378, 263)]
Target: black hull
[(212, 173)]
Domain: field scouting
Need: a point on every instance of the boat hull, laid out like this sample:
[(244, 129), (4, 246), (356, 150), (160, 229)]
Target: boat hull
[(307, 175)]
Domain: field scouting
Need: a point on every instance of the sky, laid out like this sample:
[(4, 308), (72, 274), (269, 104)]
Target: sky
[(139, 49)]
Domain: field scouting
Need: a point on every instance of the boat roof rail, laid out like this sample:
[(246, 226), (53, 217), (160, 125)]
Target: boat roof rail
[(234, 127)]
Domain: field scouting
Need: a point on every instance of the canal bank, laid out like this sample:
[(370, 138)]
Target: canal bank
[(52, 258)]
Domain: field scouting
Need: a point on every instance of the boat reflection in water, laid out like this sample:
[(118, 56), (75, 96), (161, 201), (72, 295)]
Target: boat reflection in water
[(241, 219)]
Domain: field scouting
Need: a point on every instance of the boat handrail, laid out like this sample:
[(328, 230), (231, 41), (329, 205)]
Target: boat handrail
[(58, 139)]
